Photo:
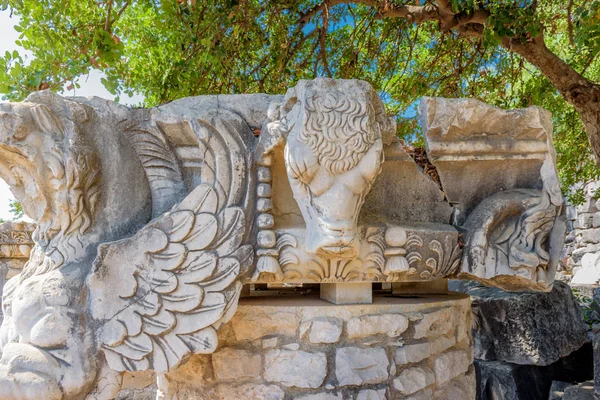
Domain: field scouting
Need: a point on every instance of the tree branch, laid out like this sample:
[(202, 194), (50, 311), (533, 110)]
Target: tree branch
[(311, 12), (107, 22), (570, 23), (322, 35)]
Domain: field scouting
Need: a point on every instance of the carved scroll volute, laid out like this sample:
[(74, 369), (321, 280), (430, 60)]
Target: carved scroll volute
[(513, 240), (333, 153)]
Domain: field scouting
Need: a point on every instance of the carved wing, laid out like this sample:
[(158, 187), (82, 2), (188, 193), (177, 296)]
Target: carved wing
[(161, 295)]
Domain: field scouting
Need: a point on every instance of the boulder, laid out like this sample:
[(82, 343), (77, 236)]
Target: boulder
[(528, 328), (497, 380), (566, 391)]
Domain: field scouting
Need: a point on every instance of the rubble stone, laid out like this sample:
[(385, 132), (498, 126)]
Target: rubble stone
[(413, 379), (295, 368), (358, 366), (325, 330), (369, 325)]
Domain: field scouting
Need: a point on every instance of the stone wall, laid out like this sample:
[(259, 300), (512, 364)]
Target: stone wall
[(583, 238), (305, 348)]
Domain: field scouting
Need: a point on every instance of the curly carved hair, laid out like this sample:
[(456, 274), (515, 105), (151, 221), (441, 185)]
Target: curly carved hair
[(73, 163), (339, 129)]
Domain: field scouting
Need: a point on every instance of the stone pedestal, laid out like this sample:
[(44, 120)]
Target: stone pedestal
[(347, 293), (306, 348)]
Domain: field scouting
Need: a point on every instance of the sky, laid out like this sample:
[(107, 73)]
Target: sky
[(90, 86)]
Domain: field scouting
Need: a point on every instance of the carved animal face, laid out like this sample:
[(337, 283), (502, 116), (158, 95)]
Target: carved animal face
[(333, 154), (50, 168)]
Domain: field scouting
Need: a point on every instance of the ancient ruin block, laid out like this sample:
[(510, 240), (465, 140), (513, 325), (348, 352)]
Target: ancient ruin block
[(149, 222)]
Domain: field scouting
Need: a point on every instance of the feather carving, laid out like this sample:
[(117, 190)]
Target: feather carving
[(159, 297)]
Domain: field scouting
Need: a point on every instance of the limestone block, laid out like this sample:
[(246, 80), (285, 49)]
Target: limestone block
[(347, 293), (270, 343), (596, 220), (450, 364), (255, 325), (571, 213), (371, 394), (460, 388), (589, 235), (468, 141), (578, 253), (584, 221), (403, 193), (412, 353), (425, 394), (322, 396), (589, 205), (325, 330), (249, 391), (442, 343), (357, 366), (230, 364), (589, 273), (413, 379), (369, 325), (524, 328), (295, 368), (435, 323)]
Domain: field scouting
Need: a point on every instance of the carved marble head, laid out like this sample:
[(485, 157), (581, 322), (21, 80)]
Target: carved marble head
[(333, 154), (51, 159)]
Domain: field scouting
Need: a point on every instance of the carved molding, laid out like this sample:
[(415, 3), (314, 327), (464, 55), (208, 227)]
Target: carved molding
[(425, 253)]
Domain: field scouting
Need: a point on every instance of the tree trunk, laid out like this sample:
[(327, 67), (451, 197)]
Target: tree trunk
[(577, 90)]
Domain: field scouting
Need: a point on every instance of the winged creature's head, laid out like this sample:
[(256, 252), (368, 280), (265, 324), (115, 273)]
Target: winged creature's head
[(333, 154), (56, 169)]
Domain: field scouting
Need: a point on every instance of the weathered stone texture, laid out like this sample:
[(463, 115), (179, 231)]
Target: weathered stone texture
[(451, 364), (315, 357), (230, 364), (435, 323), (325, 330), (171, 210), (413, 379), (371, 394), (357, 366), (256, 326), (501, 380), (583, 238), (412, 353), (295, 368), (524, 328), (370, 325)]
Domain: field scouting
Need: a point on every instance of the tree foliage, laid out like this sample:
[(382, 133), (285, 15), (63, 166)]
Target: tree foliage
[(165, 50)]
